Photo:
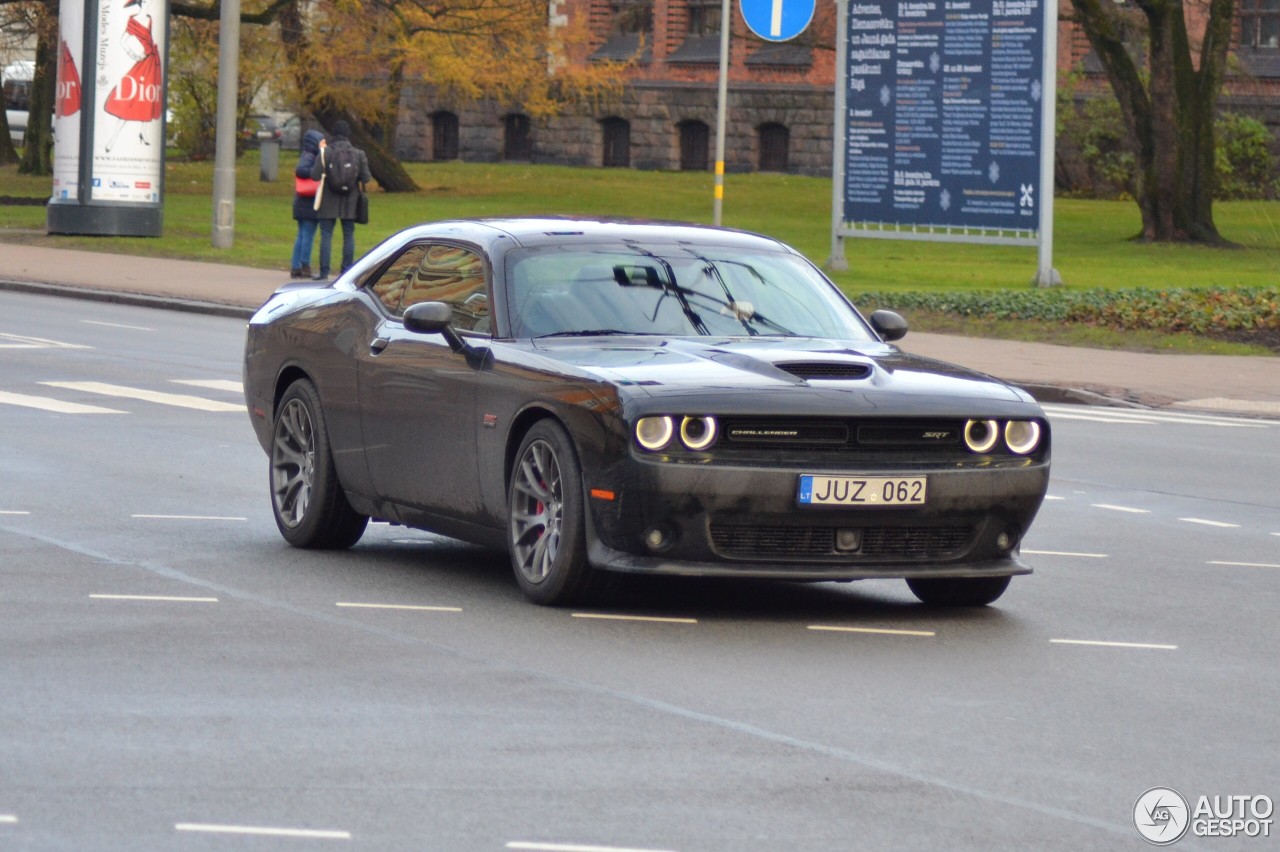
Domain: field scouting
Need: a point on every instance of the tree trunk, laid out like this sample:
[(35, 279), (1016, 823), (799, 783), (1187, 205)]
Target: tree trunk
[(8, 154), (384, 166), (1169, 117), (37, 149)]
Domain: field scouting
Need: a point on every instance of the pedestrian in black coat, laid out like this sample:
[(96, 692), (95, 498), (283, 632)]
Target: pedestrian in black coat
[(338, 207), (304, 211)]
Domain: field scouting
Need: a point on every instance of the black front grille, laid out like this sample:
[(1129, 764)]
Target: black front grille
[(775, 541), (750, 540), (914, 541), (825, 370)]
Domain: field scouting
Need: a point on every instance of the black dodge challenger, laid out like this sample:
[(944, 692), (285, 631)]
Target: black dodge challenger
[(597, 397)]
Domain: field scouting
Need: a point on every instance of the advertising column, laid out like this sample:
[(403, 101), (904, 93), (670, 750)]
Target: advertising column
[(111, 182)]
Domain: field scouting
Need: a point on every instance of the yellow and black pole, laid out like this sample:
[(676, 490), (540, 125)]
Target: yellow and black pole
[(722, 107)]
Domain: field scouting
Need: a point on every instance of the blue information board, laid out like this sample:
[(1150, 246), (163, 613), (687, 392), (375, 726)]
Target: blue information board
[(943, 111), (777, 20)]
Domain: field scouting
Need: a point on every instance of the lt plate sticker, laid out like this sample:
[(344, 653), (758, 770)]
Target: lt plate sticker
[(861, 491)]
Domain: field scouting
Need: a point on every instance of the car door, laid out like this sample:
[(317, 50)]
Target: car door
[(417, 395)]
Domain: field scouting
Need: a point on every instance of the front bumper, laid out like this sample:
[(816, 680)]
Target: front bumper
[(744, 521)]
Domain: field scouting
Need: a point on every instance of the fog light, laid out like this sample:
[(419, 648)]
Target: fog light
[(1005, 541), (657, 539), (848, 540)]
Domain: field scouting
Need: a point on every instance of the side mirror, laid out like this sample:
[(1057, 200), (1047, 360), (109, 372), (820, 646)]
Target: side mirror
[(434, 318), (889, 325)]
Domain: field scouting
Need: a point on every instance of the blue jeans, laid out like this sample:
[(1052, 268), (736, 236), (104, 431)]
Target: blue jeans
[(303, 242), (348, 243)]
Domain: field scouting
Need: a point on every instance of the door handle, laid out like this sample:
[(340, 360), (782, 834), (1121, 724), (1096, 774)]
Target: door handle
[(378, 344)]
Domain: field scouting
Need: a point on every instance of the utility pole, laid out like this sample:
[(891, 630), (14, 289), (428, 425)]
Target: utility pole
[(224, 160)]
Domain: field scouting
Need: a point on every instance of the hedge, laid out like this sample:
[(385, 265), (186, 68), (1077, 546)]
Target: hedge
[(1201, 311)]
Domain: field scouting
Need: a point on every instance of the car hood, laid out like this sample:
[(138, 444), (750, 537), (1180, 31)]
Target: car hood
[(798, 375)]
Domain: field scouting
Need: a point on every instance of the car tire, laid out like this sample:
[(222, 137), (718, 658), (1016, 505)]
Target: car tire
[(545, 519), (958, 591), (310, 507)]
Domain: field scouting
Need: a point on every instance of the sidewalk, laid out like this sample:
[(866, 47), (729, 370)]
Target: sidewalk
[(1223, 383)]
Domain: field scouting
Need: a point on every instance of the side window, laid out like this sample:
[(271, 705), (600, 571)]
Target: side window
[(454, 276), (389, 287)]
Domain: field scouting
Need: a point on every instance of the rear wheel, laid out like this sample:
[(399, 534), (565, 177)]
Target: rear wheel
[(310, 507), (958, 591), (545, 523)]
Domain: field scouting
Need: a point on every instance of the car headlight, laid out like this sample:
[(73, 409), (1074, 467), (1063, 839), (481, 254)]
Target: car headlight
[(981, 435), (1022, 436), (698, 433), (654, 433)]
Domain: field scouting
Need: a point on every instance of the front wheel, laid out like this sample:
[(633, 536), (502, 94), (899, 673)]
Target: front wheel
[(310, 507), (545, 521), (958, 591)]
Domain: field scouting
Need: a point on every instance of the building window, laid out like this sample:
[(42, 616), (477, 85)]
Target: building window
[(517, 144), (444, 136), (631, 22), (704, 18), (617, 142), (775, 141), (1260, 23), (695, 138)]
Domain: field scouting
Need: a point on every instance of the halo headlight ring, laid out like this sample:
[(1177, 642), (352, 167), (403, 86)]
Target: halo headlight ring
[(1022, 436), (980, 436), (654, 433), (698, 433)]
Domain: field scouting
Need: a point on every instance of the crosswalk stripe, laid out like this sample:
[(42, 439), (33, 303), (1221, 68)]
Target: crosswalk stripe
[(176, 399), (212, 384), (44, 403), (18, 341), (1142, 415)]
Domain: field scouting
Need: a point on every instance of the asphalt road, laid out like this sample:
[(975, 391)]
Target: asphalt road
[(173, 676)]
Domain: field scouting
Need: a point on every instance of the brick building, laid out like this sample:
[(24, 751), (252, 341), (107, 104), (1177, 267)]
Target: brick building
[(780, 96)]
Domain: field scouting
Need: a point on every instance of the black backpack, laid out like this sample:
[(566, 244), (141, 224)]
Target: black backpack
[(342, 169)]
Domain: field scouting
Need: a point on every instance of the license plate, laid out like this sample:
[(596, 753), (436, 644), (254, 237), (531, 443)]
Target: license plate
[(861, 490)]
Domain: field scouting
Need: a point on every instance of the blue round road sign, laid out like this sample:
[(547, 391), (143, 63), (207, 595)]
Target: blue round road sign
[(777, 20)]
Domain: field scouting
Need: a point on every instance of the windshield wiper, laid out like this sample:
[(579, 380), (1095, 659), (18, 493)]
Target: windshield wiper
[(589, 332)]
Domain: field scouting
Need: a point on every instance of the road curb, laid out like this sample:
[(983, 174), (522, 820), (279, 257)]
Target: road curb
[(121, 297)]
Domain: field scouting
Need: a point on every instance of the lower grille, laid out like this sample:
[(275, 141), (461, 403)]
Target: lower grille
[(753, 541)]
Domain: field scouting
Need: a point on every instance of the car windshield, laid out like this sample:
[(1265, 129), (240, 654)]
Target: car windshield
[(673, 290)]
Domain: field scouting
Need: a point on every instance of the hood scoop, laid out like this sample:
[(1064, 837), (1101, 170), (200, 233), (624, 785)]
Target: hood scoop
[(826, 370)]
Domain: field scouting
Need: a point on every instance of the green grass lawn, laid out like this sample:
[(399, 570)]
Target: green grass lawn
[(1092, 244)]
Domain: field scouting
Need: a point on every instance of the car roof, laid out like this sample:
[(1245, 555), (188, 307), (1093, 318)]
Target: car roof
[(557, 230)]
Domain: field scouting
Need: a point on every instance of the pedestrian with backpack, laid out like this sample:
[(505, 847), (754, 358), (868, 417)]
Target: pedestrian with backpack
[(343, 172), (304, 197)]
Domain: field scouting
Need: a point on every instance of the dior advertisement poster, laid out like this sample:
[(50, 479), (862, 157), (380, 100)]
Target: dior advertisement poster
[(66, 115), (128, 138)]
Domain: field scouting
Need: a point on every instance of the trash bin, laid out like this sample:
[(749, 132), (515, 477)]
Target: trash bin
[(270, 163)]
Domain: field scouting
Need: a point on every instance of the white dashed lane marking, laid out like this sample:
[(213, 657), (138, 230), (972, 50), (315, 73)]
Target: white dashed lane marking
[(401, 606), (158, 598), (264, 831), (12, 512), (189, 517), (57, 406), (1065, 553), (651, 618), (8, 819), (878, 630), (1129, 509), (17, 341), (1151, 417), (573, 847), (1244, 564), (1141, 645), (1206, 523), (117, 325), (174, 399)]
